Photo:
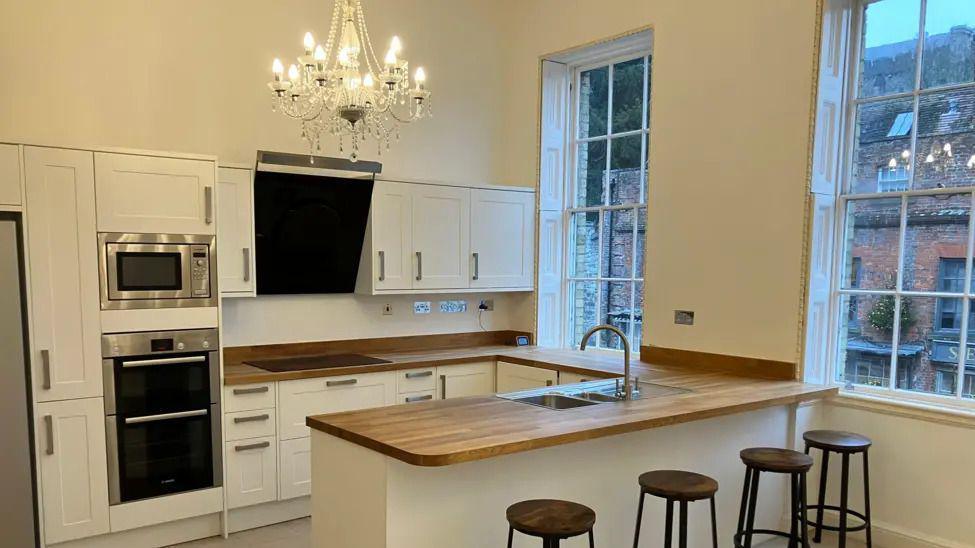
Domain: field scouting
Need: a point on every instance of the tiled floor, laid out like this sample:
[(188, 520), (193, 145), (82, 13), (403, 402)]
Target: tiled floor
[(290, 534)]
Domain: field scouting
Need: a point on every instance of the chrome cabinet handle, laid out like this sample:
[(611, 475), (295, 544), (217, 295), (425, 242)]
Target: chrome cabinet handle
[(345, 382), (208, 204), (46, 369), (419, 265), (247, 264), (477, 265), (418, 374), (257, 390), (382, 266), (249, 446), (166, 416), (49, 432), (163, 361), (254, 418), (411, 399), (443, 387)]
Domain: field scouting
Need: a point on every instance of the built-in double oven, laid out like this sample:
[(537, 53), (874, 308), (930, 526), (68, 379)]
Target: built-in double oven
[(162, 412)]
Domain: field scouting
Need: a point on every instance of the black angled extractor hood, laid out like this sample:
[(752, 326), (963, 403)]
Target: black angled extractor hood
[(310, 217)]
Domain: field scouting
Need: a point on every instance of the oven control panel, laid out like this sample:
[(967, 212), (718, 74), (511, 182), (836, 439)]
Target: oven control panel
[(200, 267), (159, 342)]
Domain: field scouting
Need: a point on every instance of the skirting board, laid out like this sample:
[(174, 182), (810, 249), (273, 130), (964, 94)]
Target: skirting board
[(251, 517), (885, 535), (154, 536)]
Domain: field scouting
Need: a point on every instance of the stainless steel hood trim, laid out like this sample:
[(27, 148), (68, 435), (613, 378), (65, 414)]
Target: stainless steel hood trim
[(304, 164)]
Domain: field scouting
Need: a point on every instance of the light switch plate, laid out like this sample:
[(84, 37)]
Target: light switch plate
[(684, 317), (421, 307)]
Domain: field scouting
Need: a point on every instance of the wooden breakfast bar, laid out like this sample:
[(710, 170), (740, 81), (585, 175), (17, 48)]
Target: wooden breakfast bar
[(441, 473)]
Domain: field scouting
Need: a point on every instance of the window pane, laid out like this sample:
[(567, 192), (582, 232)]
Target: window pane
[(872, 242), (949, 43), (584, 253), (637, 338), (866, 339), (641, 241), (616, 306), (582, 309), (882, 155), (946, 140), (628, 95), (593, 102), (625, 176), (927, 354), (890, 30), (591, 159), (617, 252), (936, 242)]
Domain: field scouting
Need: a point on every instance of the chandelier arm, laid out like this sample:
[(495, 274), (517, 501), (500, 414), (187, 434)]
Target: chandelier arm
[(370, 53), (332, 29)]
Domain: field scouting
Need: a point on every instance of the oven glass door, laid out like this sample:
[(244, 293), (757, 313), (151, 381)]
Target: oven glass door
[(150, 385), (164, 454), (148, 271)]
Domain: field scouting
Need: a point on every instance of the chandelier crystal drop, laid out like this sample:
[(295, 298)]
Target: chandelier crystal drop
[(342, 89)]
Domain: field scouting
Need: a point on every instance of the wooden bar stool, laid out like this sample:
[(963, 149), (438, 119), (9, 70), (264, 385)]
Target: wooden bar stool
[(846, 444), (681, 487), (779, 461), (550, 520)]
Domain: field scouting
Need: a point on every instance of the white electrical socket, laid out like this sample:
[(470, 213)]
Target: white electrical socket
[(387, 309)]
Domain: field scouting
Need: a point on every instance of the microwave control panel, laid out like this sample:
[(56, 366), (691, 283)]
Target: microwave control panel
[(201, 270)]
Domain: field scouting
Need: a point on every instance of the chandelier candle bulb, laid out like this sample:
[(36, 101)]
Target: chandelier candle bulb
[(309, 43), (278, 69), (420, 78)]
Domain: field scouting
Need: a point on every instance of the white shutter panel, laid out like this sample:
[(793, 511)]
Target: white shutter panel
[(818, 307)]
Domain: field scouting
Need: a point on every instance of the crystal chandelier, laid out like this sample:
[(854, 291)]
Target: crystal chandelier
[(342, 89)]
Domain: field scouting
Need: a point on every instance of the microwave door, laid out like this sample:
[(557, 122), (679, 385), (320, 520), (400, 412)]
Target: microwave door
[(148, 271)]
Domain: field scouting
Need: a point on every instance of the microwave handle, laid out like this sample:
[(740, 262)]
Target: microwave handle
[(208, 201), (163, 361)]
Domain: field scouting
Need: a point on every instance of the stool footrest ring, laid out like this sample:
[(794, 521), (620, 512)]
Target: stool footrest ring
[(849, 529), (783, 534)]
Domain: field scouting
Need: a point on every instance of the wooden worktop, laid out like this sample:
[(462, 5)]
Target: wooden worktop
[(444, 432)]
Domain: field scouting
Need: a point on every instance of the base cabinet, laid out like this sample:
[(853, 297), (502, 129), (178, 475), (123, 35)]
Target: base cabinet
[(512, 377), (251, 472), (73, 469), (571, 378), (470, 379), (294, 468)]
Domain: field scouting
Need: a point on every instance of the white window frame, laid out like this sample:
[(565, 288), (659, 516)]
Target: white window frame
[(850, 103), (569, 209)]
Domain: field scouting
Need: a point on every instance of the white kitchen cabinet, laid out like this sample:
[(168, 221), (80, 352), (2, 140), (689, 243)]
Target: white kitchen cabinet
[(235, 232), (416, 397), (571, 378), (249, 424), (512, 377), (248, 397), (150, 194), (10, 175), (441, 237), (299, 399), (391, 229), (64, 291), (251, 472), (416, 380), (469, 379), (502, 238), (294, 468), (70, 441)]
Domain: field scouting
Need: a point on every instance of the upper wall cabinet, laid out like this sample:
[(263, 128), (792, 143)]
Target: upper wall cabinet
[(392, 236), (63, 273), (502, 233), (10, 175), (149, 194), (235, 233), (441, 237)]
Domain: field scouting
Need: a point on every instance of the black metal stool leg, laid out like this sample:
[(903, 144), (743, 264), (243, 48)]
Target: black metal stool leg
[(822, 497), (794, 509), (683, 524), (639, 518), (511, 533), (752, 503), (802, 510), (744, 500), (844, 491), (866, 498), (714, 525), (592, 541), (669, 532)]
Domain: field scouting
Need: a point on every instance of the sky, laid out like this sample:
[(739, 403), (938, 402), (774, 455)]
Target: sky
[(890, 21)]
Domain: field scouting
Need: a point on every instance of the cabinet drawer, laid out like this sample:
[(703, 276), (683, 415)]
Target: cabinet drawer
[(250, 424), (294, 475), (302, 398), (248, 397), (416, 380), (415, 397), (251, 472)]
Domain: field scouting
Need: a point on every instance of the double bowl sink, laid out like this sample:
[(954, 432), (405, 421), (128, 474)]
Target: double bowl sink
[(588, 393)]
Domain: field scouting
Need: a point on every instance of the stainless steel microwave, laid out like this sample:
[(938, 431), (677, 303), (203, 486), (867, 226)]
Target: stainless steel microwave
[(156, 271)]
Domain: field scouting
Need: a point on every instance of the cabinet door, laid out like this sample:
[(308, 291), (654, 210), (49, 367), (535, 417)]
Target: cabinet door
[(235, 232), (512, 377), (470, 379), (252, 476), (301, 398), (295, 468), (150, 194), (10, 175), (63, 273), (391, 220), (502, 238), (73, 469), (441, 237)]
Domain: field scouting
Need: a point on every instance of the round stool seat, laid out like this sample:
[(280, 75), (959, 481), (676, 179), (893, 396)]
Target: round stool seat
[(773, 459), (678, 485), (837, 440), (550, 518)]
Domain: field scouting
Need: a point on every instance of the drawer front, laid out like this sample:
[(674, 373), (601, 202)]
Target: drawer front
[(294, 475), (250, 424), (251, 472), (302, 398), (416, 380), (416, 397), (248, 397)]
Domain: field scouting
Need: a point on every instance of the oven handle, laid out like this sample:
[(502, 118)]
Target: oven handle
[(163, 361), (166, 416)]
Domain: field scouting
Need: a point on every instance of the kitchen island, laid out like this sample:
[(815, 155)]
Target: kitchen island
[(441, 473)]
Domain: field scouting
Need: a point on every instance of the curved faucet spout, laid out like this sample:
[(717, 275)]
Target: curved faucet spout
[(627, 387)]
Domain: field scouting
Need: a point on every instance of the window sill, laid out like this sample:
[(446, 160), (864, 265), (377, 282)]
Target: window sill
[(941, 414)]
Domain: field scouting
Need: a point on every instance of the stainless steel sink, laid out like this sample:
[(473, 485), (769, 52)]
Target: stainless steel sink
[(599, 397), (589, 393), (554, 401)]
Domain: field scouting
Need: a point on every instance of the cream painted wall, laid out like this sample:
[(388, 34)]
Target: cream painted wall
[(732, 89)]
